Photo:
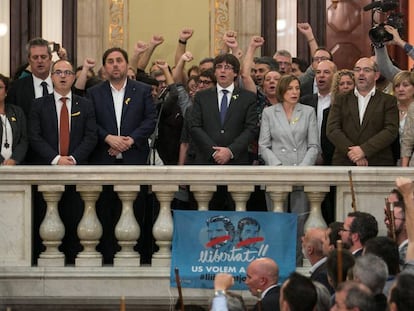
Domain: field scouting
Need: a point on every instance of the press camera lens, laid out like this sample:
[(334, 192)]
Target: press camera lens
[(378, 34)]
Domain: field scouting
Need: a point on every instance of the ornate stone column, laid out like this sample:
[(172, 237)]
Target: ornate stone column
[(240, 195), (163, 226), (89, 228), (52, 229), (316, 194), (203, 194), (127, 229), (278, 195)]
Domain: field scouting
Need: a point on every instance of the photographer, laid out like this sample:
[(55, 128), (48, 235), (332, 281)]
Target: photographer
[(386, 67)]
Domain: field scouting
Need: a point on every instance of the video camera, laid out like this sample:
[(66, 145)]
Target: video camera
[(378, 34)]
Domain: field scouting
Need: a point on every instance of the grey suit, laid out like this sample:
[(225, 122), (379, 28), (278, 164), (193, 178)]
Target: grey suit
[(284, 143), (294, 143)]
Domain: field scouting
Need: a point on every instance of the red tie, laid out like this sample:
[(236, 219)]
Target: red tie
[(64, 129)]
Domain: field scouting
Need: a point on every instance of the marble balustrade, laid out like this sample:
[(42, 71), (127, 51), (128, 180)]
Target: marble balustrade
[(371, 186)]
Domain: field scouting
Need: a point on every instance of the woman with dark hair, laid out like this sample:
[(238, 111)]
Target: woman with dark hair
[(13, 132)]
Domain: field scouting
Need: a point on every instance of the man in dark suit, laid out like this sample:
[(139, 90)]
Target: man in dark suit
[(358, 228), (321, 101), (45, 122), (363, 124), (24, 90), (262, 278), (51, 144), (125, 114), (315, 248), (126, 117), (217, 141), (222, 123)]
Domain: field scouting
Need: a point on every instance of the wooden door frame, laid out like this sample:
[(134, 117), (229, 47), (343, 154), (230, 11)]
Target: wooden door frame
[(26, 23)]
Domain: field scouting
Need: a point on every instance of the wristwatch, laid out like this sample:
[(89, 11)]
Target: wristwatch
[(219, 292)]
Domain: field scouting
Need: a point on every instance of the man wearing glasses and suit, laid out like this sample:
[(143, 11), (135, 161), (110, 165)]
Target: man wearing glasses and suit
[(363, 124)]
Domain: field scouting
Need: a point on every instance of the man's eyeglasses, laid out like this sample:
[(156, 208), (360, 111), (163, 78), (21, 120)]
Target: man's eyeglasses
[(63, 72), (364, 69), (204, 82)]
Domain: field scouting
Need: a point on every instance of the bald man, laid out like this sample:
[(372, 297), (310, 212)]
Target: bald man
[(262, 278), (315, 247)]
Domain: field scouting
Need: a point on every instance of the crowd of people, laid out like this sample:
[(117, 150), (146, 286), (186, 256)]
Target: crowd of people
[(351, 267), (233, 109)]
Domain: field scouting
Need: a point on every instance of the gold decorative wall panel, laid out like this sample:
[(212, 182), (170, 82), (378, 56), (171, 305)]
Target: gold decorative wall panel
[(118, 18), (221, 24)]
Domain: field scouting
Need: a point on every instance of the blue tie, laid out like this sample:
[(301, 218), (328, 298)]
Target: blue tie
[(223, 106)]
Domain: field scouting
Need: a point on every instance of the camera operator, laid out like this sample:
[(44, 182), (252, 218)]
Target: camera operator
[(385, 65)]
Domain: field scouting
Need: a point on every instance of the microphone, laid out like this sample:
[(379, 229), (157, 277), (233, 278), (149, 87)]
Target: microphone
[(163, 93)]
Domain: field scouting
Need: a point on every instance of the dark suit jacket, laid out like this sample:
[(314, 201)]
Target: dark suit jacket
[(137, 121), (270, 301), (44, 131), (321, 275), (169, 127), (375, 135), (306, 82), (326, 145), (17, 121), (238, 130), (21, 93)]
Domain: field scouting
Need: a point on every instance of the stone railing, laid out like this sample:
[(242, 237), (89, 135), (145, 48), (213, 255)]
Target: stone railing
[(51, 278)]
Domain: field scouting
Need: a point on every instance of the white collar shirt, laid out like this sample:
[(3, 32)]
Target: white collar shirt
[(363, 102), (220, 89), (38, 88)]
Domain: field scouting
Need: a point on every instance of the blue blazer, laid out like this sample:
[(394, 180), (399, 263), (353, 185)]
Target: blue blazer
[(284, 143), (44, 131), (137, 121)]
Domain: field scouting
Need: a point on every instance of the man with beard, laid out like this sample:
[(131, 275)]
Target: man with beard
[(126, 117), (358, 228), (400, 228)]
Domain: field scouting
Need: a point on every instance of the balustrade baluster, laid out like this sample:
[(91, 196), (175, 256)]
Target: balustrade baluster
[(316, 194), (52, 229), (163, 226), (278, 194), (203, 195), (240, 195), (127, 230), (89, 228)]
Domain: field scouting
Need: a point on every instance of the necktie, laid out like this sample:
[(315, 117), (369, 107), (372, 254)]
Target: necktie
[(64, 129), (44, 86), (223, 106)]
